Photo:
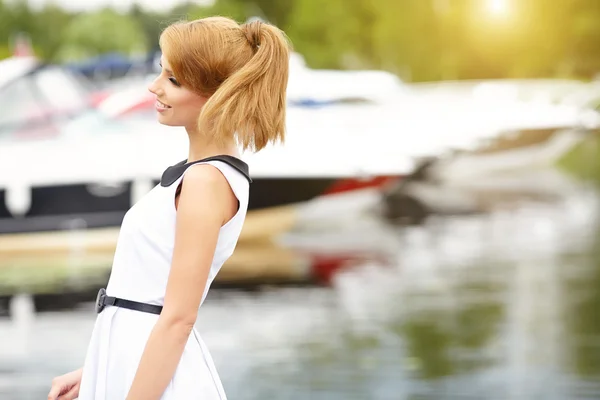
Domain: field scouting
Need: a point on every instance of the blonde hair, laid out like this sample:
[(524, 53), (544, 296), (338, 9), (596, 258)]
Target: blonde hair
[(242, 69)]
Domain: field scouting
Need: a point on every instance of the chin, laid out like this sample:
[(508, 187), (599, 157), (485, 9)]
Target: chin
[(165, 121)]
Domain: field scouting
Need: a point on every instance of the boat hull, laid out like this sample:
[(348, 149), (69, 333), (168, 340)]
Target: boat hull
[(79, 206)]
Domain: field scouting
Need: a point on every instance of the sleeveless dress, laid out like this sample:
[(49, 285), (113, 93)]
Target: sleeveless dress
[(139, 272)]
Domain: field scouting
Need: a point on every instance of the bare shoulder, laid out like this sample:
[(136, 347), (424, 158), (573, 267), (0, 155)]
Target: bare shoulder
[(205, 188), (204, 176), (205, 181)]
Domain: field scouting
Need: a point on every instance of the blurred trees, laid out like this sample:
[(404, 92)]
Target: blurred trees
[(104, 31), (420, 40)]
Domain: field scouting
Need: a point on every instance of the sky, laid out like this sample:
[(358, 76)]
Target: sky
[(121, 5)]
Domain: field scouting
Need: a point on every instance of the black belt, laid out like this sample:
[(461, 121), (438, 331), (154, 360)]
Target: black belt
[(103, 300)]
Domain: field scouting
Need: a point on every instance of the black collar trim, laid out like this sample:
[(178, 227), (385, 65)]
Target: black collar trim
[(174, 172)]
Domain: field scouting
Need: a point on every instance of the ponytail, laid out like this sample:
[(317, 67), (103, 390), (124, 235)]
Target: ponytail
[(251, 102)]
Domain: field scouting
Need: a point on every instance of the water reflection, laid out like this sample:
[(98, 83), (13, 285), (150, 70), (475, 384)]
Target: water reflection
[(582, 317), (502, 306)]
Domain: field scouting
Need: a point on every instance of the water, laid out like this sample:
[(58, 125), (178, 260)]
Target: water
[(502, 306)]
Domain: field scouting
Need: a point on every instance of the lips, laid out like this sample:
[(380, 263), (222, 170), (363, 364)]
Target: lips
[(160, 106)]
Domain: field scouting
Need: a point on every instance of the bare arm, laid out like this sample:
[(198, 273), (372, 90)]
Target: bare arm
[(204, 205)]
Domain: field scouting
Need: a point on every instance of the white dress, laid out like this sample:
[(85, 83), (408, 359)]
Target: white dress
[(139, 272)]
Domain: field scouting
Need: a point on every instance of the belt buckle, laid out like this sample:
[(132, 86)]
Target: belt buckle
[(100, 300)]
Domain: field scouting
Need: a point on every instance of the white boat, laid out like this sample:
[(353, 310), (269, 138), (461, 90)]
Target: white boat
[(85, 169)]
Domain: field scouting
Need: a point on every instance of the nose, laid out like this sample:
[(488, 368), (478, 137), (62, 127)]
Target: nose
[(153, 87)]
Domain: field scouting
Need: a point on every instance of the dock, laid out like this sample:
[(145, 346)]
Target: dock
[(44, 261)]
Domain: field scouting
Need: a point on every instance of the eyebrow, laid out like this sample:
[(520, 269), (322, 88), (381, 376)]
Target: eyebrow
[(168, 70)]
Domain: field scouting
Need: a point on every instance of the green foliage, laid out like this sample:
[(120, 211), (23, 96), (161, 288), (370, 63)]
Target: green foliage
[(101, 32), (4, 52), (583, 161), (420, 40), (325, 35)]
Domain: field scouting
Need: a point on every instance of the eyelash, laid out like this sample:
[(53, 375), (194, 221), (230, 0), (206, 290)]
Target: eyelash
[(172, 79)]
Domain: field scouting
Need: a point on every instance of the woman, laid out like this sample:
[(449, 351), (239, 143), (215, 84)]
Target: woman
[(226, 84)]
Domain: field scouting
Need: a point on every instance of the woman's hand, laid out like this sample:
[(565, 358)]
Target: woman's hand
[(66, 387)]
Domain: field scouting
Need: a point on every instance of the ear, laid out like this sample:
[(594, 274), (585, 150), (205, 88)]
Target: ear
[(201, 100)]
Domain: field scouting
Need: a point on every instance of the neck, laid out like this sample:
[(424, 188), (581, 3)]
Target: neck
[(201, 147)]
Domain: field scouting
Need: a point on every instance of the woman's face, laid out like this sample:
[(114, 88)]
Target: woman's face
[(175, 105)]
